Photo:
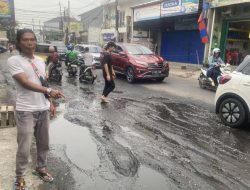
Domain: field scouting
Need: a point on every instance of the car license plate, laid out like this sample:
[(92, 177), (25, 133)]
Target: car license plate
[(73, 65), (156, 72)]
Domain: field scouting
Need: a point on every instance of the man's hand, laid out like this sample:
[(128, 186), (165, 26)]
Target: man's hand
[(52, 110), (56, 94)]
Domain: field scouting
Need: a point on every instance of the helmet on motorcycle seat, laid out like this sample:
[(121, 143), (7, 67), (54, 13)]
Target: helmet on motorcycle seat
[(216, 50)]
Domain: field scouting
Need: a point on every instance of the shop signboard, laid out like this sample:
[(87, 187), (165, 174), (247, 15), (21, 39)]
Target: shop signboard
[(108, 36), (178, 7), (6, 8), (147, 12), (219, 3)]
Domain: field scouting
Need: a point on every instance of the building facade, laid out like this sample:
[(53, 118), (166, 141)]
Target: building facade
[(170, 28), (229, 29), (61, 28)]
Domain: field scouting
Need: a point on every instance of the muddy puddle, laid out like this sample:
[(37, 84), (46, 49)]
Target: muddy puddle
[(97, 158)]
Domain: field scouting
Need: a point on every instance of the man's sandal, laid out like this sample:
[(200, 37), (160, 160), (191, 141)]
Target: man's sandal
[(19, 184), (43, 175)]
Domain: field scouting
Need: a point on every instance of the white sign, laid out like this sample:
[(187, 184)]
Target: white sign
[(147, 13)]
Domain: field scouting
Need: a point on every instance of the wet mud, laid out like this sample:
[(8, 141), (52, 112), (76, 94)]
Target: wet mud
[(181, 144)]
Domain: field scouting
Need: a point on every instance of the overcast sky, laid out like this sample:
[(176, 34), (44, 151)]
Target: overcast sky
[(33, 11)]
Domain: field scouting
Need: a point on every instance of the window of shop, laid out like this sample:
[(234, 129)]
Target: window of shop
[(237, 41)]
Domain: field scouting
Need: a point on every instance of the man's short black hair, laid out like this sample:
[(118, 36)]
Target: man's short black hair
[(110, 44), (19, 35)]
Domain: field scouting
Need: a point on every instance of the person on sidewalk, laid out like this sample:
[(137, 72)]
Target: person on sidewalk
[(32, 106), (214, 63), (108, 71)]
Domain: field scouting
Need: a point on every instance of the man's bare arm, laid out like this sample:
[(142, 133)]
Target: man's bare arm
[(26, 83), (22, 79)]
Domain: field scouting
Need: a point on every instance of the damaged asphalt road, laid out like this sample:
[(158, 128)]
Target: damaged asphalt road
[(142, 140)]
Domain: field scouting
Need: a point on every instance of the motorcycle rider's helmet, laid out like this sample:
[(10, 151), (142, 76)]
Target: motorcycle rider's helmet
[(51, 49), (70, 47), (216, 51)]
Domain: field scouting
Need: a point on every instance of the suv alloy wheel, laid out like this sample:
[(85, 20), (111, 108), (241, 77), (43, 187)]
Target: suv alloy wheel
[(232, 112), (130, 75)]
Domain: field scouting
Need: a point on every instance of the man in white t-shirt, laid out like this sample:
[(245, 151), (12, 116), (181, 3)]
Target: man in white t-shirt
[(32, 107), (88, 60)]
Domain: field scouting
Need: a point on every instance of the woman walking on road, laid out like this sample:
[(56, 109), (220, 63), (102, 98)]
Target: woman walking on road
[(108, 72)]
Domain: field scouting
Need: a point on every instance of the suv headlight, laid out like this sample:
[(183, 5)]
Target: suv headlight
[(165, 63), (142, 63)]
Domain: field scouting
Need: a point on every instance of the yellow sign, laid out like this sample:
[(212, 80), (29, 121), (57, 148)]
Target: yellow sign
[(74, 26), (5, 8)]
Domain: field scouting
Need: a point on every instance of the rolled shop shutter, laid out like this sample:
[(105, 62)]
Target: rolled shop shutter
[(182, 46)]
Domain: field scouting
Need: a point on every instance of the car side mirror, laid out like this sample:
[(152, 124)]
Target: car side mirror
[(123, 54)]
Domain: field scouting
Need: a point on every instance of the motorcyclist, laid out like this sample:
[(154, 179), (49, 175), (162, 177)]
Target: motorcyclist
[(71, 55), (214, 63), (88, 60), (52, 59)]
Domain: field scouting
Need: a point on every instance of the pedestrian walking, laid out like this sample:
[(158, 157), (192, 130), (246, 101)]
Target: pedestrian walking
[(108, 71), (33, 107)]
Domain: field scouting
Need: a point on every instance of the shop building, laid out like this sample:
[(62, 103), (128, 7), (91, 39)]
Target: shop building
[(170, 28), (229, 29)]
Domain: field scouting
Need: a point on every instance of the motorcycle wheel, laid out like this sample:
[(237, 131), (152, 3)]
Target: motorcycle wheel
[(201, 78), (88, 76), (56, 76)]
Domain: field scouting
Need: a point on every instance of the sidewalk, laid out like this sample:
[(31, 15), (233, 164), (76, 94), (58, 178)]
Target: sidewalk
[(184, 70)]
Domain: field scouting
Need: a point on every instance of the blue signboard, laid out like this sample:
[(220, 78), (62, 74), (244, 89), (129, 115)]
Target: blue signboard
[(179, 7), (108, 36)]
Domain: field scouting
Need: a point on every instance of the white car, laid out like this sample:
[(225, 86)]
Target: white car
[(93, 49), (232, 99)]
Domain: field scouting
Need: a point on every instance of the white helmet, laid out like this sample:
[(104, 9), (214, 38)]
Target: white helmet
[(51, 48), (216, 50)]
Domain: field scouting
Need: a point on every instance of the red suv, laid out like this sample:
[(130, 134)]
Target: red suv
[(138, 62)]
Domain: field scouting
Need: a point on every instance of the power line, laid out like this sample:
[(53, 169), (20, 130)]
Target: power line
[(28, 11)]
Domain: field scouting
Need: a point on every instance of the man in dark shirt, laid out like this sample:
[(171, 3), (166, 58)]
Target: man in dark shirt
[(108, 72)]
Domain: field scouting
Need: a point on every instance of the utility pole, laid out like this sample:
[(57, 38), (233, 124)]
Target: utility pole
[(69, 16), (116, 20), (33, 25), (61, 17)]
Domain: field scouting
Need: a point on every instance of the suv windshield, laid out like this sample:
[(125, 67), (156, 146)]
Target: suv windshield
[(60, 45), (43, 48), (244, 64), (94, 49), (138, 50)]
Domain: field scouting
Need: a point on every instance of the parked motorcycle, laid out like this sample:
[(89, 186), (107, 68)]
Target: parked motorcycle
[(206, 82), (55, 72), (86, 74)]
